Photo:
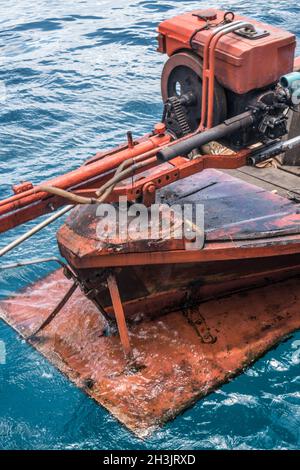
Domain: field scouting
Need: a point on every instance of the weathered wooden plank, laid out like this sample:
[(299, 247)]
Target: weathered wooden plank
[(294, 170), (252, 179), (271, 179), (276, 176), (292, 157)]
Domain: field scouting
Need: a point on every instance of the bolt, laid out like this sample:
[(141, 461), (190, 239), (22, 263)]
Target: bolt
[(151, 188), (159, 128)]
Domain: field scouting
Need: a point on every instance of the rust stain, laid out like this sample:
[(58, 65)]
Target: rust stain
[(173, 367)]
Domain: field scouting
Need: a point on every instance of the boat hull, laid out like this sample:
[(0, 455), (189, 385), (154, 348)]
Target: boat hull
[(252, 238), (153, 290)]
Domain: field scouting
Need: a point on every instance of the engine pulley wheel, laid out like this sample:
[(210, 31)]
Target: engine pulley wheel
[(182, 75)]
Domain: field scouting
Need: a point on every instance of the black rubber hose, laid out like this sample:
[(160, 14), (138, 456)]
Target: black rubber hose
[(228, 127)]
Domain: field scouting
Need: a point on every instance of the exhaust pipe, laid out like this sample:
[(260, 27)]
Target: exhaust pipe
[(185, 146)]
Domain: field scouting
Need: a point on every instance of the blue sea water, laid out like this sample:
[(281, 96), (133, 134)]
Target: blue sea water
[(74, 76)]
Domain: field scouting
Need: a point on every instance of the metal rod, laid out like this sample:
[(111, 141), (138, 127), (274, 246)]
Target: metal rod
[(211, 71), (215, 133), (273, 150), (206, 76), (35, 230), (33, 261), (57, 309), (119, 314)]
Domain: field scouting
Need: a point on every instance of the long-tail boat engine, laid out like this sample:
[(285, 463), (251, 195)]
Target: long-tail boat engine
[(227, 74), (230, 80), (227, 79)]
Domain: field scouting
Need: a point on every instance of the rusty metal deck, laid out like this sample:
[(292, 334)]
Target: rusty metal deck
[(180, 357)]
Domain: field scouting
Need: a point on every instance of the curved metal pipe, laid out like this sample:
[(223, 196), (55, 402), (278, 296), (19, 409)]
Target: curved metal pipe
[(212, 56), (74, 198), (205, 77)]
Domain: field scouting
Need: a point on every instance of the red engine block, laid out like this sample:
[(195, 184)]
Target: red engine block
[(242, 63)]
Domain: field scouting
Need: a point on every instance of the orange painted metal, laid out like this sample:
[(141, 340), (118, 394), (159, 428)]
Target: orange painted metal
[(273, 232), (213, 252), (297, 64), (242, 246), (180, 357), (119, 314), (179, 169), (186, 346), (22, 187), (98, 170), (241, 64), (83, 174), (208, 78), (31, 204), (28, 204), (205, 80), (210, 71)]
